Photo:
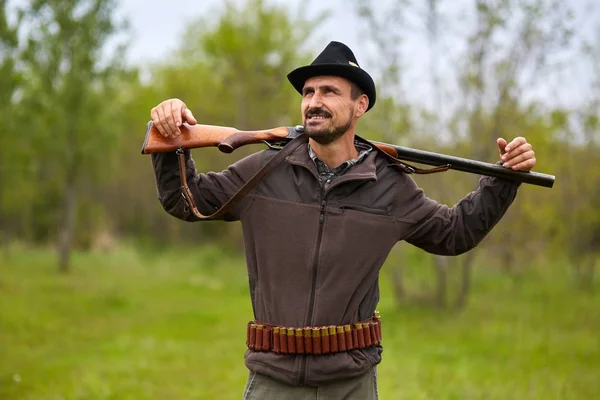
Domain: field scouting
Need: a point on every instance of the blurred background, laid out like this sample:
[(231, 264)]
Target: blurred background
[(105, 296)]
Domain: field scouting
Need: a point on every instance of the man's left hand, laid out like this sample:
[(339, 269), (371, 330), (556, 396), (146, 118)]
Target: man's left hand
[(517, 155)]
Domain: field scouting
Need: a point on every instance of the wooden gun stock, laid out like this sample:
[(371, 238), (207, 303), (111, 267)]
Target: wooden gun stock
[(228, 139), (225, 138)]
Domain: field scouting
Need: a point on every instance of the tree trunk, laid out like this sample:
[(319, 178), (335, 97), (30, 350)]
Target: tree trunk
[(398, 284), (585, 266), (5, 241), (441, 281), (465, 280), (506, 256), (592, 273), (589, 275), (68, 223)]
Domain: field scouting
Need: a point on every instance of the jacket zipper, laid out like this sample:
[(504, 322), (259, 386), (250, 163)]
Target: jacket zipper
[(311, 303), (315, 268)]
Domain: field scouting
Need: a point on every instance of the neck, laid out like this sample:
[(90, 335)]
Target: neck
[(336, 152)]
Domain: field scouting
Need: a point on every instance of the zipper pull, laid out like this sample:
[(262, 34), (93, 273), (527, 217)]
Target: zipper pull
[(322, 215)]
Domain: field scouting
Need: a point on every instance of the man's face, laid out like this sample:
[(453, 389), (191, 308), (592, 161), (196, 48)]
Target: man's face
[(328, 109)]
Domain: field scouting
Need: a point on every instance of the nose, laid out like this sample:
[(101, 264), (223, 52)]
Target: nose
[(316, 101)]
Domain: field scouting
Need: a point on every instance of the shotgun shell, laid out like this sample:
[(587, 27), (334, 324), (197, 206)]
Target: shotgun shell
[(333, 339), (360, 336), (259, 338), (325, 340), (291, 340), (308, 345), (283, 340), (349, 337), (276, 347), (299, 341), (373, 330), (252, 335), (341, 338), (267, 337), (248, 333), (316, 335), (367, 332)]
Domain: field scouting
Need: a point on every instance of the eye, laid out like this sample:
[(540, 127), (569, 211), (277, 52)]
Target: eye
[(307, 92)]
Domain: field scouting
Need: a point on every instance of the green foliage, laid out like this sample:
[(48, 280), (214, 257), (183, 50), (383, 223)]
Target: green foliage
[(69, 82), (61, 101), (11, 144), (231, 70), (74, 116)]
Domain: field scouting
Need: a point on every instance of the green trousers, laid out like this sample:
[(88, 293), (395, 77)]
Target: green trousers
[(260, 387)]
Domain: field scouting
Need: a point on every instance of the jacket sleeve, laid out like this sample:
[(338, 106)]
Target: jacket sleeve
[(210, 190), (439, 229)]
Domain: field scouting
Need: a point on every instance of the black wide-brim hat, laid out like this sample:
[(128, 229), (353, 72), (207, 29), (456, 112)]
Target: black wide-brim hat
[(337, 60)]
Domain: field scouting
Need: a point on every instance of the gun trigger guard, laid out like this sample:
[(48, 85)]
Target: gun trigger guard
[(441, 168), (275, 145), (422, 171)]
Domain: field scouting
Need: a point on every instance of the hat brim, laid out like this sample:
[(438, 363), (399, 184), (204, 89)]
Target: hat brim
[(354, 74)]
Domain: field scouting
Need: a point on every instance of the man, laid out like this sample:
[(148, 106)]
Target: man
[(318, 228)]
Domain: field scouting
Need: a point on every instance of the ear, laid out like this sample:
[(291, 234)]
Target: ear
[(362, 103)]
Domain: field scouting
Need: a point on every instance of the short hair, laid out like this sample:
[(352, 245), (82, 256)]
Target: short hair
[(355, 91)]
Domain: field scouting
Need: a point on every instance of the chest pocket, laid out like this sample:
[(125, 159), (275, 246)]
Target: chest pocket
[(365, 209)]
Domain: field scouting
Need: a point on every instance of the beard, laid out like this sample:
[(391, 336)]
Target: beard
[(326, 135)]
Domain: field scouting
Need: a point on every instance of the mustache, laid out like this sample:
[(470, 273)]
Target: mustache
[(317, 112)]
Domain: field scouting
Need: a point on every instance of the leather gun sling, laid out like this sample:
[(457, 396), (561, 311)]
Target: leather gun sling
[(247, 187), (268, 167)]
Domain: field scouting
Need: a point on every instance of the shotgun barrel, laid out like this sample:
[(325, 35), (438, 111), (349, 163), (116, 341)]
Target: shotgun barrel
[(228, 139), (468, 165)]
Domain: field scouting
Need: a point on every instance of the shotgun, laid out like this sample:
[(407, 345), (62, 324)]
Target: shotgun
[(227, 139)]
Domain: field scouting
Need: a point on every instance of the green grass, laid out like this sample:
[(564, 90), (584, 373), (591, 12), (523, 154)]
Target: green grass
[(130, 325)]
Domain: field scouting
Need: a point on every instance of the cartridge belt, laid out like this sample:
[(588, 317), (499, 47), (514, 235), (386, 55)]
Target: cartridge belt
[(314, 340)]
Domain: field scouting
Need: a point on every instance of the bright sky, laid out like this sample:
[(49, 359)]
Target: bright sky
[(157, 26)]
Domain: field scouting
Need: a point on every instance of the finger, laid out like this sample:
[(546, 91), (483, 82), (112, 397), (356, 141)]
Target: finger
[(162, 118), (180, 116), (170, 118), (515, 143), (517, 151), (501, 146), (525, 165), (528, 155), (189, 117), (176, 110), (162, 121), (156, 121)]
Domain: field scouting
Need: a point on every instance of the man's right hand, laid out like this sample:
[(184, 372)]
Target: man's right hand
[(169, 115)]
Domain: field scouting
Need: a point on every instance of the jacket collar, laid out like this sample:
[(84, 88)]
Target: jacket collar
[(364, 170)]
